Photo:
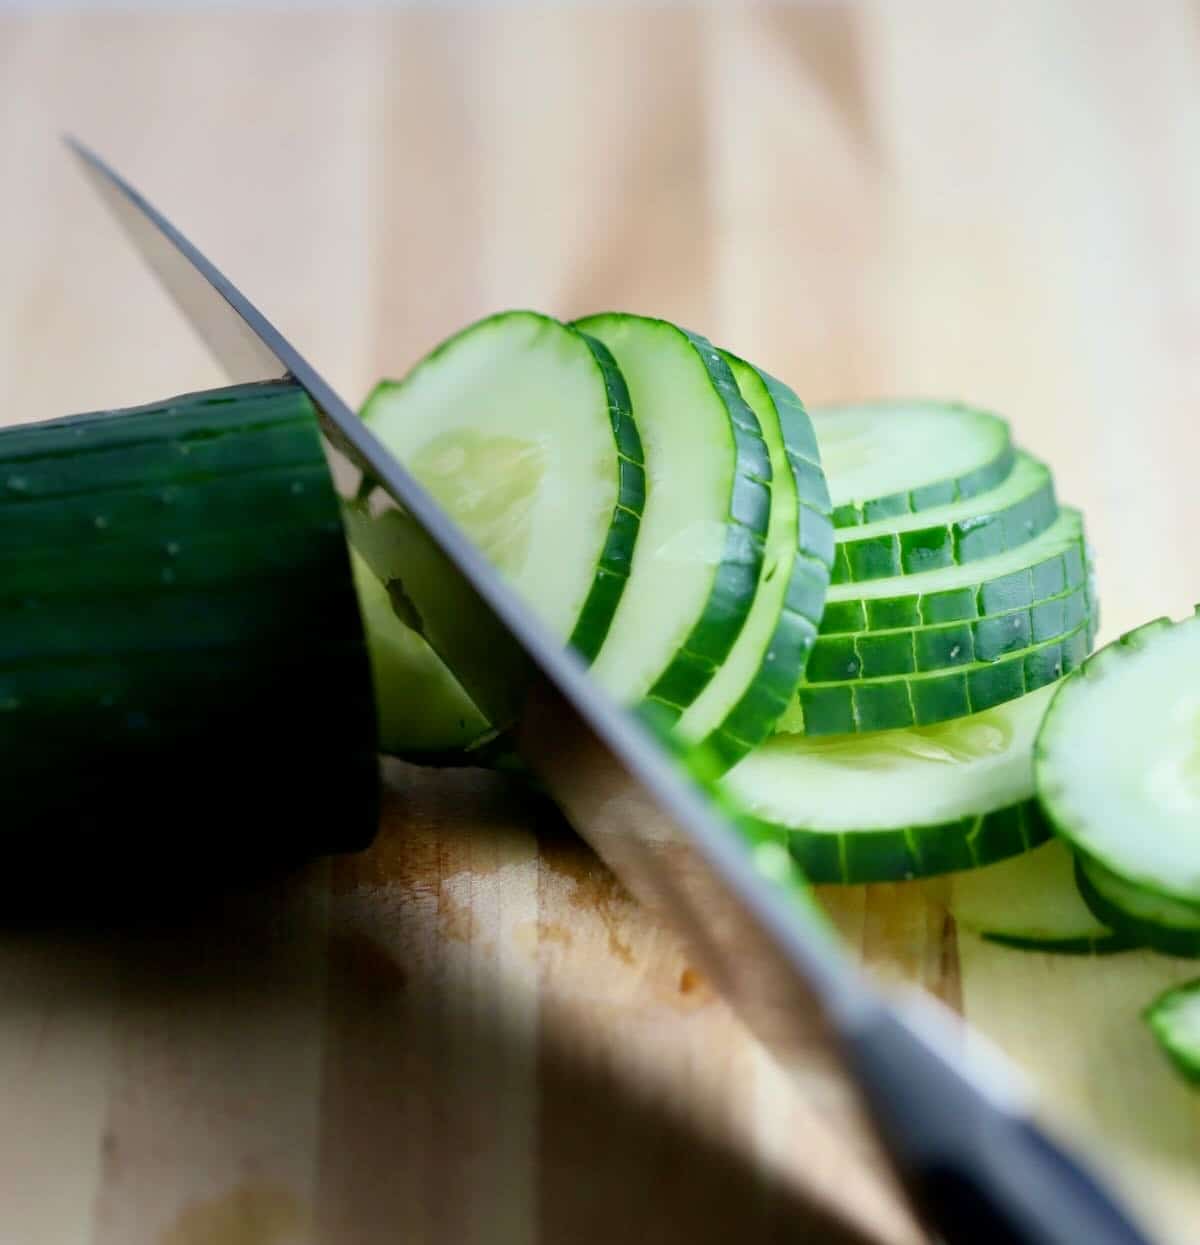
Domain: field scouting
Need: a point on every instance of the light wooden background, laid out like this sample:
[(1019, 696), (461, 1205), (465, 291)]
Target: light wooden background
[(470, 1034)]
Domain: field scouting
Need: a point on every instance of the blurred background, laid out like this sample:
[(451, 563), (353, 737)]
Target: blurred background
[(997, 203)]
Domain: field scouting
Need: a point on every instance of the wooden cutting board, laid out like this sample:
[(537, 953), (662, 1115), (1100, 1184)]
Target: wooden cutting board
[(470, 1033)]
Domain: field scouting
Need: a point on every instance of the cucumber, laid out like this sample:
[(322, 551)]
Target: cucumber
[(422, 708), (1031, 902), (918, 650), (521, 429), (924, 699), (1008, 515), (180, 638), (902, 457), (899, 804), (1051, 564), (766, 661), (1174, 1019), (698, 560), (1147, 919), (1116, 759)]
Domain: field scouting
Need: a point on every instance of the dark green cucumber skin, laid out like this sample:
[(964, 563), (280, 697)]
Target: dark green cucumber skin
[(616, 558), (942, 493), (897, 855), (612, 571), (1020, 589), (922, 700), (920, 650), (753, 718), (736, 578), (1166, 939), (181, 653), (1185, 1061), (939, 545), (1102, 944)]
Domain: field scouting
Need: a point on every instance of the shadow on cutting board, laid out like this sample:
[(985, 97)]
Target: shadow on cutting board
[(468, 1034)]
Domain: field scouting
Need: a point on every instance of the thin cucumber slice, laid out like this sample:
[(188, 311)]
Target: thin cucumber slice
[(179, 631), (1150, 920), (1016, 510), (902, 457), (898, 804), (1031, 902), (921, 650), (699, 556), (760, 674), (423, 710), (1117, 760), (1174, 1019), (924, 699), (1047, 566), (520, 428)]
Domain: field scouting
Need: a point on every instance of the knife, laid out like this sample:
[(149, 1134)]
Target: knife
[(956, 1128)]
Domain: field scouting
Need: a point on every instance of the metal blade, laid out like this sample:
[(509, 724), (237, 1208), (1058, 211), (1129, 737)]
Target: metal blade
[(977, 1169)]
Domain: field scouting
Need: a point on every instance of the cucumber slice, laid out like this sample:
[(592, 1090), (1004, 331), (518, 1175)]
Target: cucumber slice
[(1016, 510), (924, 699), (1150, 920), (521, 429), (1117, 759), (423, 710), (898, 804), (1174, 1019), (760, 674), (919, 650), (696, 567), (1031, 902), (179, 631), (1051, 564), (901, 457)]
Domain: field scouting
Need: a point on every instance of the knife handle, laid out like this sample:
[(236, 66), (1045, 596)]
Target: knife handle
[(978, 1170)]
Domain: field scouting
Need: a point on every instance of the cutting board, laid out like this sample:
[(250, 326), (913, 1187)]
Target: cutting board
[(470, 1033)]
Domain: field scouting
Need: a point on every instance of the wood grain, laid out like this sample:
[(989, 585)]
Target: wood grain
[(470, 1033)]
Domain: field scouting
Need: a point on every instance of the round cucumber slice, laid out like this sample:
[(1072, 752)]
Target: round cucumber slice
[(1031, 902), (521, 429), (1046, 566), (924, 699), (1144, 918), (746, 697), (1016, 510), (902, 457), (1174, 1019), (696, 567), (898, 804), (922, 650), (1118, 759)]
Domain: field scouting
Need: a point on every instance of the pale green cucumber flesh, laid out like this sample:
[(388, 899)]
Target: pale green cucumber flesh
[(1031, 902), (745, 698), (937, 696), (179, 631), (423, 710), (699, 554), (1174, 1019), (520, 428), (922, 650), (1046, 566), (897, 804), (1143, 917), (1118, 759), (906, 456), (1005, 517)]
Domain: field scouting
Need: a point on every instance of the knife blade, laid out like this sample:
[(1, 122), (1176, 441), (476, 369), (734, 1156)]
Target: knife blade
[(958, 1131)]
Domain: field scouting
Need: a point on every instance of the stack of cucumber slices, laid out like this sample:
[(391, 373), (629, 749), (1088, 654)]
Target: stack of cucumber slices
[(858, 623)]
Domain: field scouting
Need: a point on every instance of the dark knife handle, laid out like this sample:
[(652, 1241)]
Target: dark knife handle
[(978, 1173)]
